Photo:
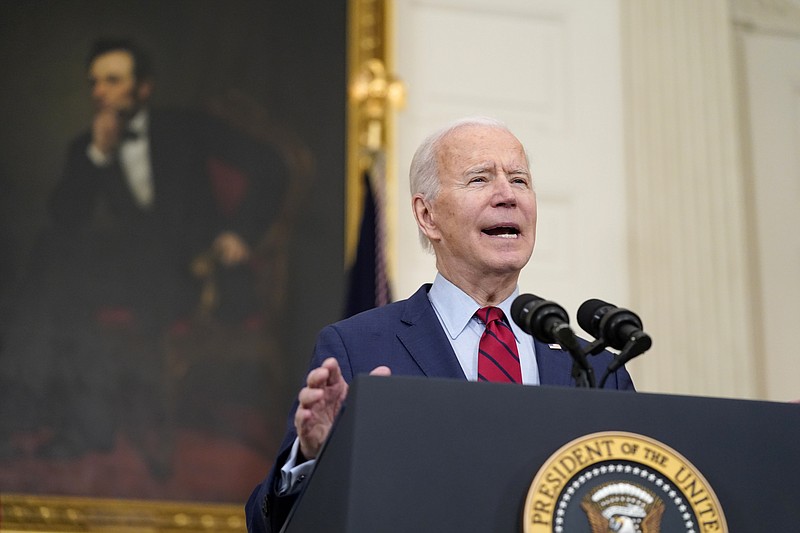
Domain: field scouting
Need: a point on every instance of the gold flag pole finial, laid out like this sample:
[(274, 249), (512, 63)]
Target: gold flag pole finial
[(375, 93)]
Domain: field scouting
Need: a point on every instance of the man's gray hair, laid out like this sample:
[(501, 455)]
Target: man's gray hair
[(424, 171)]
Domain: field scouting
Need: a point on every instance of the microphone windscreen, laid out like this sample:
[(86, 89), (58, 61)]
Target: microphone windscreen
[(589, 315), (519, 304)]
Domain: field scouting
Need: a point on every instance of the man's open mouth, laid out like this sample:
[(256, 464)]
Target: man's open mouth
[(509, 232)]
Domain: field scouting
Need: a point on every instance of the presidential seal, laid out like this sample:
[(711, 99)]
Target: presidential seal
[(622, 483)]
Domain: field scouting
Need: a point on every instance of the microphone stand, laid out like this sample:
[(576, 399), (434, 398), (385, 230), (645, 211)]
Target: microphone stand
[(634, 347), (583, 378), (582, 371)]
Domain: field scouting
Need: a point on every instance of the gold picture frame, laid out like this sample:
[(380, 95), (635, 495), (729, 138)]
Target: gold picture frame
[(61, 514)]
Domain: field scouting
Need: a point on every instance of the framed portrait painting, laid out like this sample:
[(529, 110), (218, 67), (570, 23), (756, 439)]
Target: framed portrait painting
[(172, 236)]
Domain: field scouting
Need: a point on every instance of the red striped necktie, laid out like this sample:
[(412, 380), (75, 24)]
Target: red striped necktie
[(498, 358)]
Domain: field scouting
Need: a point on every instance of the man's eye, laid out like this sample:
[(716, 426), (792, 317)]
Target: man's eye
[(477, 179)]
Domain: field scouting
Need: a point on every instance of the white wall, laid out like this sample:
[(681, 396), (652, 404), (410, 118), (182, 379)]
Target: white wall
[(639, 138), (769, 44)]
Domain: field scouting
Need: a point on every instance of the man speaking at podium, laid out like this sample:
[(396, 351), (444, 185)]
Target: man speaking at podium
[(475, 207)]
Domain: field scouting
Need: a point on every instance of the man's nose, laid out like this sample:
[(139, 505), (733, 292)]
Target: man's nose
[(503, 192)]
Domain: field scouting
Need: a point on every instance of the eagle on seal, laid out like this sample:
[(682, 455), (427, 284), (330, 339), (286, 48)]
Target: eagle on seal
[(623, 508)]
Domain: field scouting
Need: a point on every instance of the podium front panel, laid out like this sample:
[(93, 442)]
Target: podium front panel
[(415, 454)]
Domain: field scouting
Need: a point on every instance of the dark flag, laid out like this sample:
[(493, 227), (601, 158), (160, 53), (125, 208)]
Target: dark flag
[(368, 283)]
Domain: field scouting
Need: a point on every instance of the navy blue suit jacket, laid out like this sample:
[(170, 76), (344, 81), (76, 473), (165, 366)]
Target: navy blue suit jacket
[(407, 337)]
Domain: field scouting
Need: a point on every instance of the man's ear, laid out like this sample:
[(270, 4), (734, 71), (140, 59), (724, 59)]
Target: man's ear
[(424, 217)]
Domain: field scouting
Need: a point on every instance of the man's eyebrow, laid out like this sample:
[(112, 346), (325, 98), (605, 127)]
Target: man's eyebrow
[(519, 170), (480, 169)]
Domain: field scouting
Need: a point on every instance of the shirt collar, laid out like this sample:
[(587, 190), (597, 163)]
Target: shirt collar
[(139, 123), (456, 308)]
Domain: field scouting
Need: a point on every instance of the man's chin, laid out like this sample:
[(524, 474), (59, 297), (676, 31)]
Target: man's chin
[(513, 253), (506, 265)]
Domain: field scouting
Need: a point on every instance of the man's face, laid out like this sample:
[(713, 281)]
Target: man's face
[(113, 85), (483, 221)]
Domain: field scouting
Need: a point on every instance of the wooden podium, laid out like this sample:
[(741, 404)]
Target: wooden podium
[(418, 455)]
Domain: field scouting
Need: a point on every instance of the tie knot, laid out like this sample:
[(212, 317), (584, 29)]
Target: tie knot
[(490, 314)]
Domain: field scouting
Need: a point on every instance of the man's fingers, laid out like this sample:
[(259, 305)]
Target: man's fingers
[(318, 404), (318, 377), (328, 373), (300, 416), (335, 373), (381, 371), (309, 396)]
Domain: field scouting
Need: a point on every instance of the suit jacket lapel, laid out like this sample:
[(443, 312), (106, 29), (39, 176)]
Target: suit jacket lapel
[(555, 365), (423, 337)]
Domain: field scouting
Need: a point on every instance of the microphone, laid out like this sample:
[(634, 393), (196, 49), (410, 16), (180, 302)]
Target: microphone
[(617, 326), (548, 322), (545, 320)]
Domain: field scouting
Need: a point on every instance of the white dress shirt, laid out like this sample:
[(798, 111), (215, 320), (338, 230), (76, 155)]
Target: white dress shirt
[(134, 158)]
